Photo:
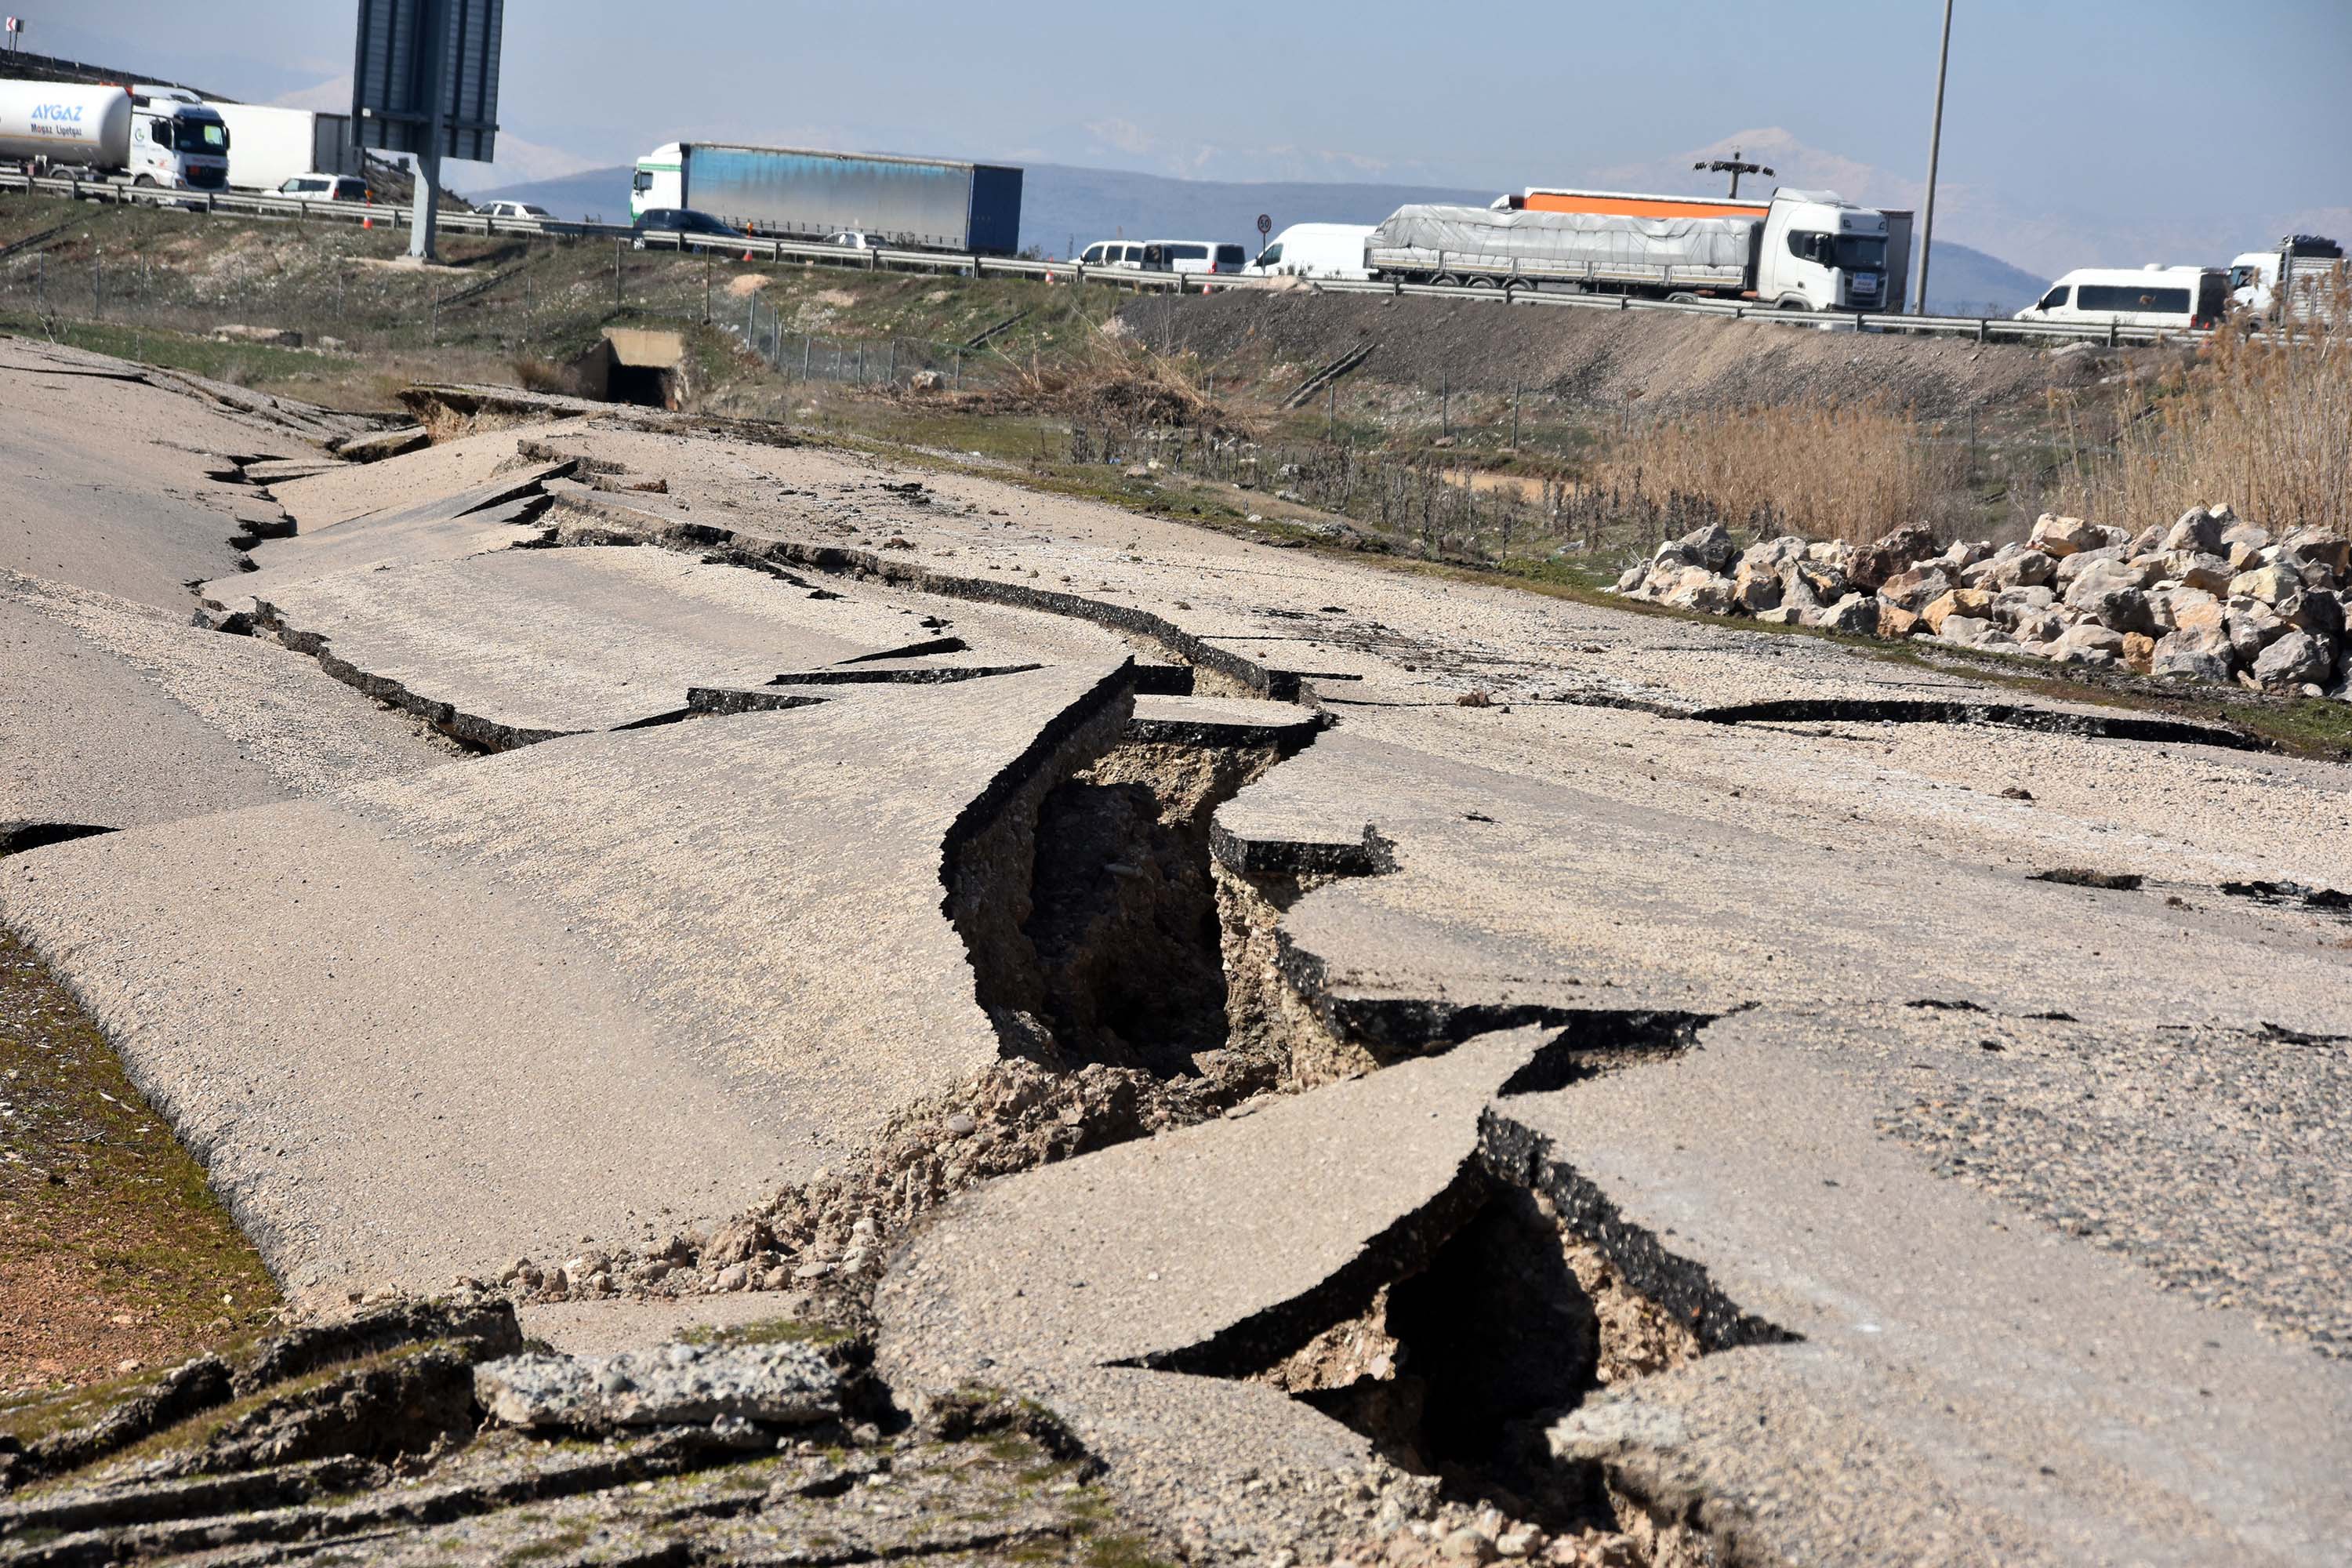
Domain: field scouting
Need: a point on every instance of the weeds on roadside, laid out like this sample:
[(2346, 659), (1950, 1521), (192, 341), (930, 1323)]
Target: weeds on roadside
[(1851, 472), (2260, 419)]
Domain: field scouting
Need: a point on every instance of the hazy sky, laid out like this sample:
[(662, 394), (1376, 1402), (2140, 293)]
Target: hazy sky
[(2129, 122)]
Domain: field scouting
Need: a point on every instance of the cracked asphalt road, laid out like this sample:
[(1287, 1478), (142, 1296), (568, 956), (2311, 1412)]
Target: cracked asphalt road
[(2065, 1249)]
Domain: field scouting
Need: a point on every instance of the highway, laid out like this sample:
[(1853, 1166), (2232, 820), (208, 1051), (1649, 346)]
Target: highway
[(1983, 328)]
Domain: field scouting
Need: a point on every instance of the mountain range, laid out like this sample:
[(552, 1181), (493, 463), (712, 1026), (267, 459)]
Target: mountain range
[(1063, 206)]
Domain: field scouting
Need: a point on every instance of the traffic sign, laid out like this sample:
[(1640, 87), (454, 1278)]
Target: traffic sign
[(1265, 226), (426, 82)]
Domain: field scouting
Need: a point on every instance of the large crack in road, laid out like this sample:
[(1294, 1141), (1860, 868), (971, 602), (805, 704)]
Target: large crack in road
[(1404, 1145)]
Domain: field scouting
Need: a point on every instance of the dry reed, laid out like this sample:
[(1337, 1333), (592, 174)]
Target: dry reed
[(1850, 471), (2262, 421), (1118, 384)]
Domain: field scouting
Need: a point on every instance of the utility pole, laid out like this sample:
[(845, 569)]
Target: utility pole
[(1732, 167), (1934, 150)]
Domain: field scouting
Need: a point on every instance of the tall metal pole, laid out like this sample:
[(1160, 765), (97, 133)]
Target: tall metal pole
[(1934, 150), (435, 71)]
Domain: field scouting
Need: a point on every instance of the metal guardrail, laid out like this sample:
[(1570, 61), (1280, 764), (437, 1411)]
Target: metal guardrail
[(1983, 328)]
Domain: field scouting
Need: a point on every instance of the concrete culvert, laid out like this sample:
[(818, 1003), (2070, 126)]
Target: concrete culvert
[(635, 366)]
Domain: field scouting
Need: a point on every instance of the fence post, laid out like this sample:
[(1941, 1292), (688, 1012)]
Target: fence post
[(616, 276), (894, 361), (959, 381), (807, 343), (1444, 403)]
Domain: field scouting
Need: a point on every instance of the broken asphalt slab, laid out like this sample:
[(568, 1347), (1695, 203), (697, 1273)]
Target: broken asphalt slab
[(529, 642), (1234, 1240), (493, 514), (1895, 1367), (594, 988), (1500, 897), (114, 714), (1970, 1386), (109, 483)]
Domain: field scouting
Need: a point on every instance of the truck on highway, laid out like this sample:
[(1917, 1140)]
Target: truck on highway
[(270, 146), (914, 204), (2314, 268), (141, 136), (1802, 251)]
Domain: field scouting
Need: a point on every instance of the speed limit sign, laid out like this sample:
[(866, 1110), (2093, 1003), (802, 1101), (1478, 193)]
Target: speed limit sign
[(1265, 226)]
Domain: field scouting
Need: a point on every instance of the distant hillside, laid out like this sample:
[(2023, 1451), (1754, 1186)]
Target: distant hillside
[(1062, 205), (1964, 282)]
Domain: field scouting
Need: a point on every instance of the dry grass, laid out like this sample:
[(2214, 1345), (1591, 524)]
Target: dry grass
[(535, 375), (1852, 471), (2254, 420), (1116, 384)]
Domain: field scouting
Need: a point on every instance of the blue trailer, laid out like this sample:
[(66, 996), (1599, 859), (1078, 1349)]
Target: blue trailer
[(921, 204)]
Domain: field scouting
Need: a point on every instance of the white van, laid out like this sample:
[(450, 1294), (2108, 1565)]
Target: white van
[(2184, 298), (1314, 251), (1113, 253), (1192, 256)]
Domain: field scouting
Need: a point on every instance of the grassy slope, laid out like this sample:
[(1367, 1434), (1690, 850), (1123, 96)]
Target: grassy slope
[(112, 1247)]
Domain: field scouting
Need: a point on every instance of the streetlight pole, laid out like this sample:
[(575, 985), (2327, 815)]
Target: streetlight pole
[(1934, 150)]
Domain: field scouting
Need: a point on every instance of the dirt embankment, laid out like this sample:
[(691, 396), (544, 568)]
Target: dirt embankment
[(1607, 358)]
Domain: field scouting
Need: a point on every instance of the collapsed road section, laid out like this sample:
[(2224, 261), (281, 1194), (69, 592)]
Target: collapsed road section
[(971, 1024)]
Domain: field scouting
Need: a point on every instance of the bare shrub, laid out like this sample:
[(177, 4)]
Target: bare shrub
[(1851, 472), (535, 375), (2258, 420), (1118, 384)]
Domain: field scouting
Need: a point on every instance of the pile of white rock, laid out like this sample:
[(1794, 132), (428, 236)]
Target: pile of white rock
[(2210, 598)]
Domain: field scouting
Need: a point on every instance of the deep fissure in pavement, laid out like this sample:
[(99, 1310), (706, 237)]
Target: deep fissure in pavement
[(1462, 1335), (1109, 949), (1123, 910), (1472, 1359)]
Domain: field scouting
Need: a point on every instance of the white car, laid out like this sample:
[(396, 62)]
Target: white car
[(327, 188), (522, 212), (854, 239), (1113, 253)]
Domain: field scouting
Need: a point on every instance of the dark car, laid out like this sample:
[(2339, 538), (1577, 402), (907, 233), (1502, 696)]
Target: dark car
[(675, 225)]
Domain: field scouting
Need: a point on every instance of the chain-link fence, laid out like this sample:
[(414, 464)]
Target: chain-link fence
[(1523, 475)]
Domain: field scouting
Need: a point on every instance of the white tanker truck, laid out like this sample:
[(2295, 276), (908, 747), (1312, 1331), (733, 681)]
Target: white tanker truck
[(140, 135)]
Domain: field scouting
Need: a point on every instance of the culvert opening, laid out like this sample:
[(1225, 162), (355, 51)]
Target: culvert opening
[(633, 365)]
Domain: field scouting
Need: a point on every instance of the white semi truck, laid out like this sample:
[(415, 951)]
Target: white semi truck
[(270, 146), (114, 132), (2314, 271), (1802, 251)]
